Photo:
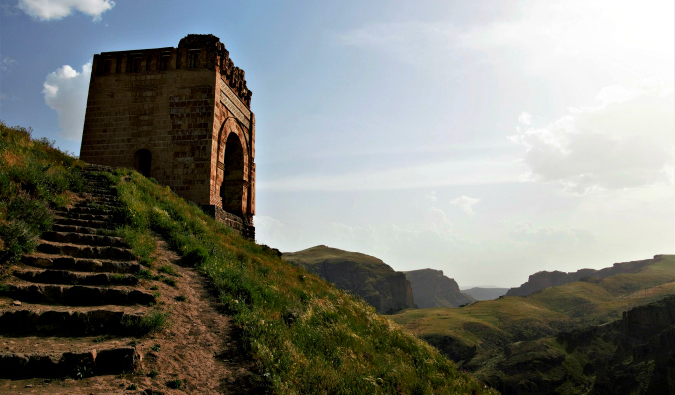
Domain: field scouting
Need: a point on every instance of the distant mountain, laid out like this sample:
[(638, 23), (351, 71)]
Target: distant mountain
[(363, 275), (432, 289), (544, 279), (481, 293)]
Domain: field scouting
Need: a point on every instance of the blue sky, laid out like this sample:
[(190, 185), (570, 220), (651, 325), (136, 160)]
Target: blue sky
[(488, 139)]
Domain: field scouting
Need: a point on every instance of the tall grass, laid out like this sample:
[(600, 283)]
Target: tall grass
[(304, 335), (34, 177)]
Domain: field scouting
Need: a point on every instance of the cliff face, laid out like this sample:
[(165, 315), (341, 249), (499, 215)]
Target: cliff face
[(363, 275), (544, 279), (432, 289)]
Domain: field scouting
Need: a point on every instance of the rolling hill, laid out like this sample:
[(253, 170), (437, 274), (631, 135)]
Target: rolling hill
[(477, 334)]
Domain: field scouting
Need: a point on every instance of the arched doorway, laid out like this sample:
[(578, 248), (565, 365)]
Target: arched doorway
[(233, 188), (143, 162)]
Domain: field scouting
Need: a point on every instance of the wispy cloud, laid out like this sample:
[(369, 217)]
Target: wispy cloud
[(56, 9), (431, 175), (7, 63), (465, 203), (626, 141), (615, 37)]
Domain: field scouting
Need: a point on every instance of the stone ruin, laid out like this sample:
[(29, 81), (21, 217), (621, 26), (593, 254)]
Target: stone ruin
[(181, 116)]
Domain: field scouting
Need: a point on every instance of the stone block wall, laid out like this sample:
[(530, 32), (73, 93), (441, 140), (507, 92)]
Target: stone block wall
[(185, 106)]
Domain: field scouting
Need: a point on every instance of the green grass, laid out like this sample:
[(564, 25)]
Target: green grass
[(304, 335), (151, 322), (168, 269), (34, 178)]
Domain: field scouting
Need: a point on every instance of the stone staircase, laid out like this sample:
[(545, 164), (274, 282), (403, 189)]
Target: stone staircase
[(72, 308)]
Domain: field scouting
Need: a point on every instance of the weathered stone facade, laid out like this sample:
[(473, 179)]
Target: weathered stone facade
[(180, 115)]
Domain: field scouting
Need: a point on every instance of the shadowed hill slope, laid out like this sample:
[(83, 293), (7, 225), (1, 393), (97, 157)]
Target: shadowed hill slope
[(541, 280), (432, 289), (632, 355), (302, 334), (363, 275)]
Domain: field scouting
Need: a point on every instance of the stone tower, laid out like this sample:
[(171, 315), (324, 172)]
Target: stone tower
[(182, 116)]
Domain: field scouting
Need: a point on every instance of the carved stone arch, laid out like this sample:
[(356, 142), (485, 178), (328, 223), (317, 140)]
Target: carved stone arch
[(231, 125), (233, 168)]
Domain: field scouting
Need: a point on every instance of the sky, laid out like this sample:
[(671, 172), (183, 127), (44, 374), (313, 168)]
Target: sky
[(487, 139)]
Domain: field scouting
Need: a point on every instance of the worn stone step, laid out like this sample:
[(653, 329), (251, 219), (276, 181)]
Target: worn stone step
[(81, 222), (81, 251), (101, 191), (40, 320), (85, 216), (74, 278), (76, 295), (110, 205), (57, 262), (84, 239), (77, 364), (87, 209), (77, 229)]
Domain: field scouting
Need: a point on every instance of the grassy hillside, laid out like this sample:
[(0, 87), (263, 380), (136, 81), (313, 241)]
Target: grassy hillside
[(493, 323), (34, 176), (304, 335)]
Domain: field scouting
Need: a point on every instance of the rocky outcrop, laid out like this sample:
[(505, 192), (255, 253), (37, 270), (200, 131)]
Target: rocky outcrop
[(432, 289), (363, 275), (544, 279)]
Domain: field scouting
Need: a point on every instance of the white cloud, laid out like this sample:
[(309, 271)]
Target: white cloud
[(7, 63), (465, 203), (552, 236), (56, 9), (65, 91), (525, 118), (627, 141)]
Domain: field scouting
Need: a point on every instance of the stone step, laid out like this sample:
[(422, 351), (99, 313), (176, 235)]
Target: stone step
[(76, 295), (101, 191), (80, 251), (81, 222), (95, 362), (45, 261), (98, 168), (110, 205), (38, 320), (87, 209), (84, 216), (84, 239), (76, 229), (74, 278)]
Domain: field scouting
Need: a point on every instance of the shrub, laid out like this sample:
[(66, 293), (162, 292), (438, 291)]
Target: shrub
[(196, 257)]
